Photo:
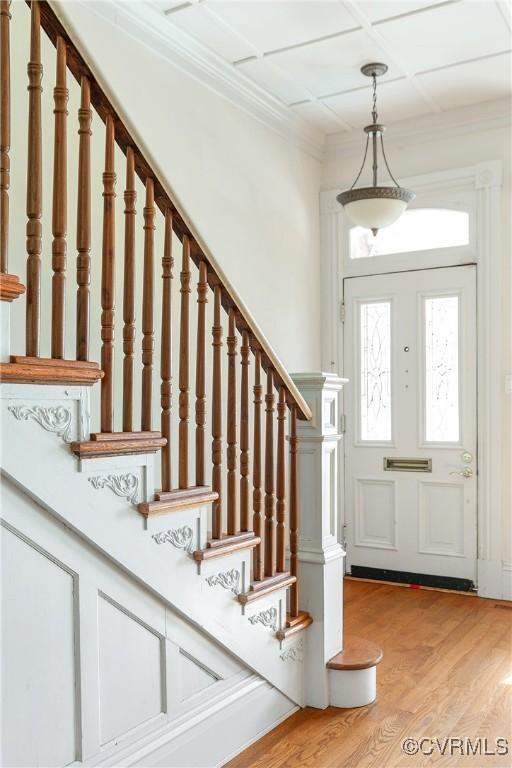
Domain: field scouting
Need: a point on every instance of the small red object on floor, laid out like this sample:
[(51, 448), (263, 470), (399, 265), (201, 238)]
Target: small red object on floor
[(414, 586)]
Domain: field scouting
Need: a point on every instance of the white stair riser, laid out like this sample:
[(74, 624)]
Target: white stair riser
[(352, 687)]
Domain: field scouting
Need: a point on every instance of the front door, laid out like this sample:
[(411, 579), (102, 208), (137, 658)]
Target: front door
[(410, 462)]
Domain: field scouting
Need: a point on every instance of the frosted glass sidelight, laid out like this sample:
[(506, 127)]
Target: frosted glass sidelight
[(442, 369), (375, 362), (420, 229)]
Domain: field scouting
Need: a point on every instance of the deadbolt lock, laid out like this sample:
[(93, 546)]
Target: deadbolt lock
[(466, 472)]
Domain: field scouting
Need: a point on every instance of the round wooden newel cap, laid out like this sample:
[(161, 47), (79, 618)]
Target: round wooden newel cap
[(356, 654)]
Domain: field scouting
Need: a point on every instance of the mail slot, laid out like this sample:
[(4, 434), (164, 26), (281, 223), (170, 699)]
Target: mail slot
[(392, 464)]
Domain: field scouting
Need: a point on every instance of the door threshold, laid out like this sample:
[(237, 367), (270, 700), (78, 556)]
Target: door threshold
[(413, 580)]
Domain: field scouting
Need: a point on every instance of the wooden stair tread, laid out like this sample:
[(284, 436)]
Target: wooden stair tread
[(113, 437), (266, 586), (292, 621), (230, 539), (294, 624), (10, 287), (45, 370), (356, 654), (118, 444), (268, 581), (180, 499), (229, 544)]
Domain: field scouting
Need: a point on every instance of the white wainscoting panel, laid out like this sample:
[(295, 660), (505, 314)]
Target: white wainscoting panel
[(98, 670), (194, 676), (375, 513), (441, 510), (131, 670), (39, 711)]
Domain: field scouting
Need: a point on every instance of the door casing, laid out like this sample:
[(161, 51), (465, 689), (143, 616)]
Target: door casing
[(481, 185)]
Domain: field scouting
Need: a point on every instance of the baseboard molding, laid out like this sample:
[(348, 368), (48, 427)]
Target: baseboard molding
[(506, 581), (210, 734), (494, 580), (258, 736)]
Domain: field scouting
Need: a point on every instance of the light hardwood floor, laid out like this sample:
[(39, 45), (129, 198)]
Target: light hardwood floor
[(446, 672)]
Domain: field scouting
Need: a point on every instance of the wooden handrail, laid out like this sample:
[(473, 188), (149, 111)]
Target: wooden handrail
[(146, 168)]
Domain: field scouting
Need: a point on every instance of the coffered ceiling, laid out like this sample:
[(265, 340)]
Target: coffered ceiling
[(307, 53)]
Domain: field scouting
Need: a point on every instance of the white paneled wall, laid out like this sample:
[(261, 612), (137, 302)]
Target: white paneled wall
[(39, 675), (95, 667)]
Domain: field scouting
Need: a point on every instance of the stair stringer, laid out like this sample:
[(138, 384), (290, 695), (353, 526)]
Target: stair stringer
[(37, 459)]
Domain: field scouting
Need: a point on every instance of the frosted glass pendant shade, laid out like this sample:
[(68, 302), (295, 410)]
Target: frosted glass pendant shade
[(375, 207)]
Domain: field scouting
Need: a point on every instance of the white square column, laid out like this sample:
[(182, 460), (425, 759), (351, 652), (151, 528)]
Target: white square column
[(320, 553)]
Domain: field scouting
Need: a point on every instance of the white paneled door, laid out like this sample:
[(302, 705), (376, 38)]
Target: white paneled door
[(411, 469)]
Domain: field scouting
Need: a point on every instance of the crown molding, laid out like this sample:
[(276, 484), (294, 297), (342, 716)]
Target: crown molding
[(484, 116), (143, 22)]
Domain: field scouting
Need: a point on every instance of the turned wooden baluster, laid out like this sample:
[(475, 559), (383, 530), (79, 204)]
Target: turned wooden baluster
[(256, 469), (245, 351), (59, 209), (202, 290), (34, 186), (148, 341), (294, 512), (83, 222), (130, 198), (5, 132), (217, 414), (108, 281), (269, 477), (231, 427), (281, 482), (166, 352), (184, 366)]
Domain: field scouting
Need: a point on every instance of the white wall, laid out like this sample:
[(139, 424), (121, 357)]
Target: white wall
[(438, 153)]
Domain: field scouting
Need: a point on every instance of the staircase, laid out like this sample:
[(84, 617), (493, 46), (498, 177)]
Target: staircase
[(162, 586), (100, 458)]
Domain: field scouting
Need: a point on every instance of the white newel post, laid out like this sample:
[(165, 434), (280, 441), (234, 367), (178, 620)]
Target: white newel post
[(320, 553)]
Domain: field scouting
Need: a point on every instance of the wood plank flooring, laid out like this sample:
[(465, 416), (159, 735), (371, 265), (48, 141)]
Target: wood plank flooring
[(446, 672)]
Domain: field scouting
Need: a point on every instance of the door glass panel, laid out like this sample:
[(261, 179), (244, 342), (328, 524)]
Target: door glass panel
[(375, 382), (442, 369)]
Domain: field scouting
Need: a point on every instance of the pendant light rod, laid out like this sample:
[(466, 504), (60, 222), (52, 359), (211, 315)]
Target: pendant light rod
[(374, 134), (376, 206)]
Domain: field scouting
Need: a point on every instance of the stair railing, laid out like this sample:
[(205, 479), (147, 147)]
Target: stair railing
[(260, 499)]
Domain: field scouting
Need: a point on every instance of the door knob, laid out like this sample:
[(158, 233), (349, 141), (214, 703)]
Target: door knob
[(466, 472)]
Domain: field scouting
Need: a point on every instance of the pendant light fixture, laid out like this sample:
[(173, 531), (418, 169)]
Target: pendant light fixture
[(376, 206)]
